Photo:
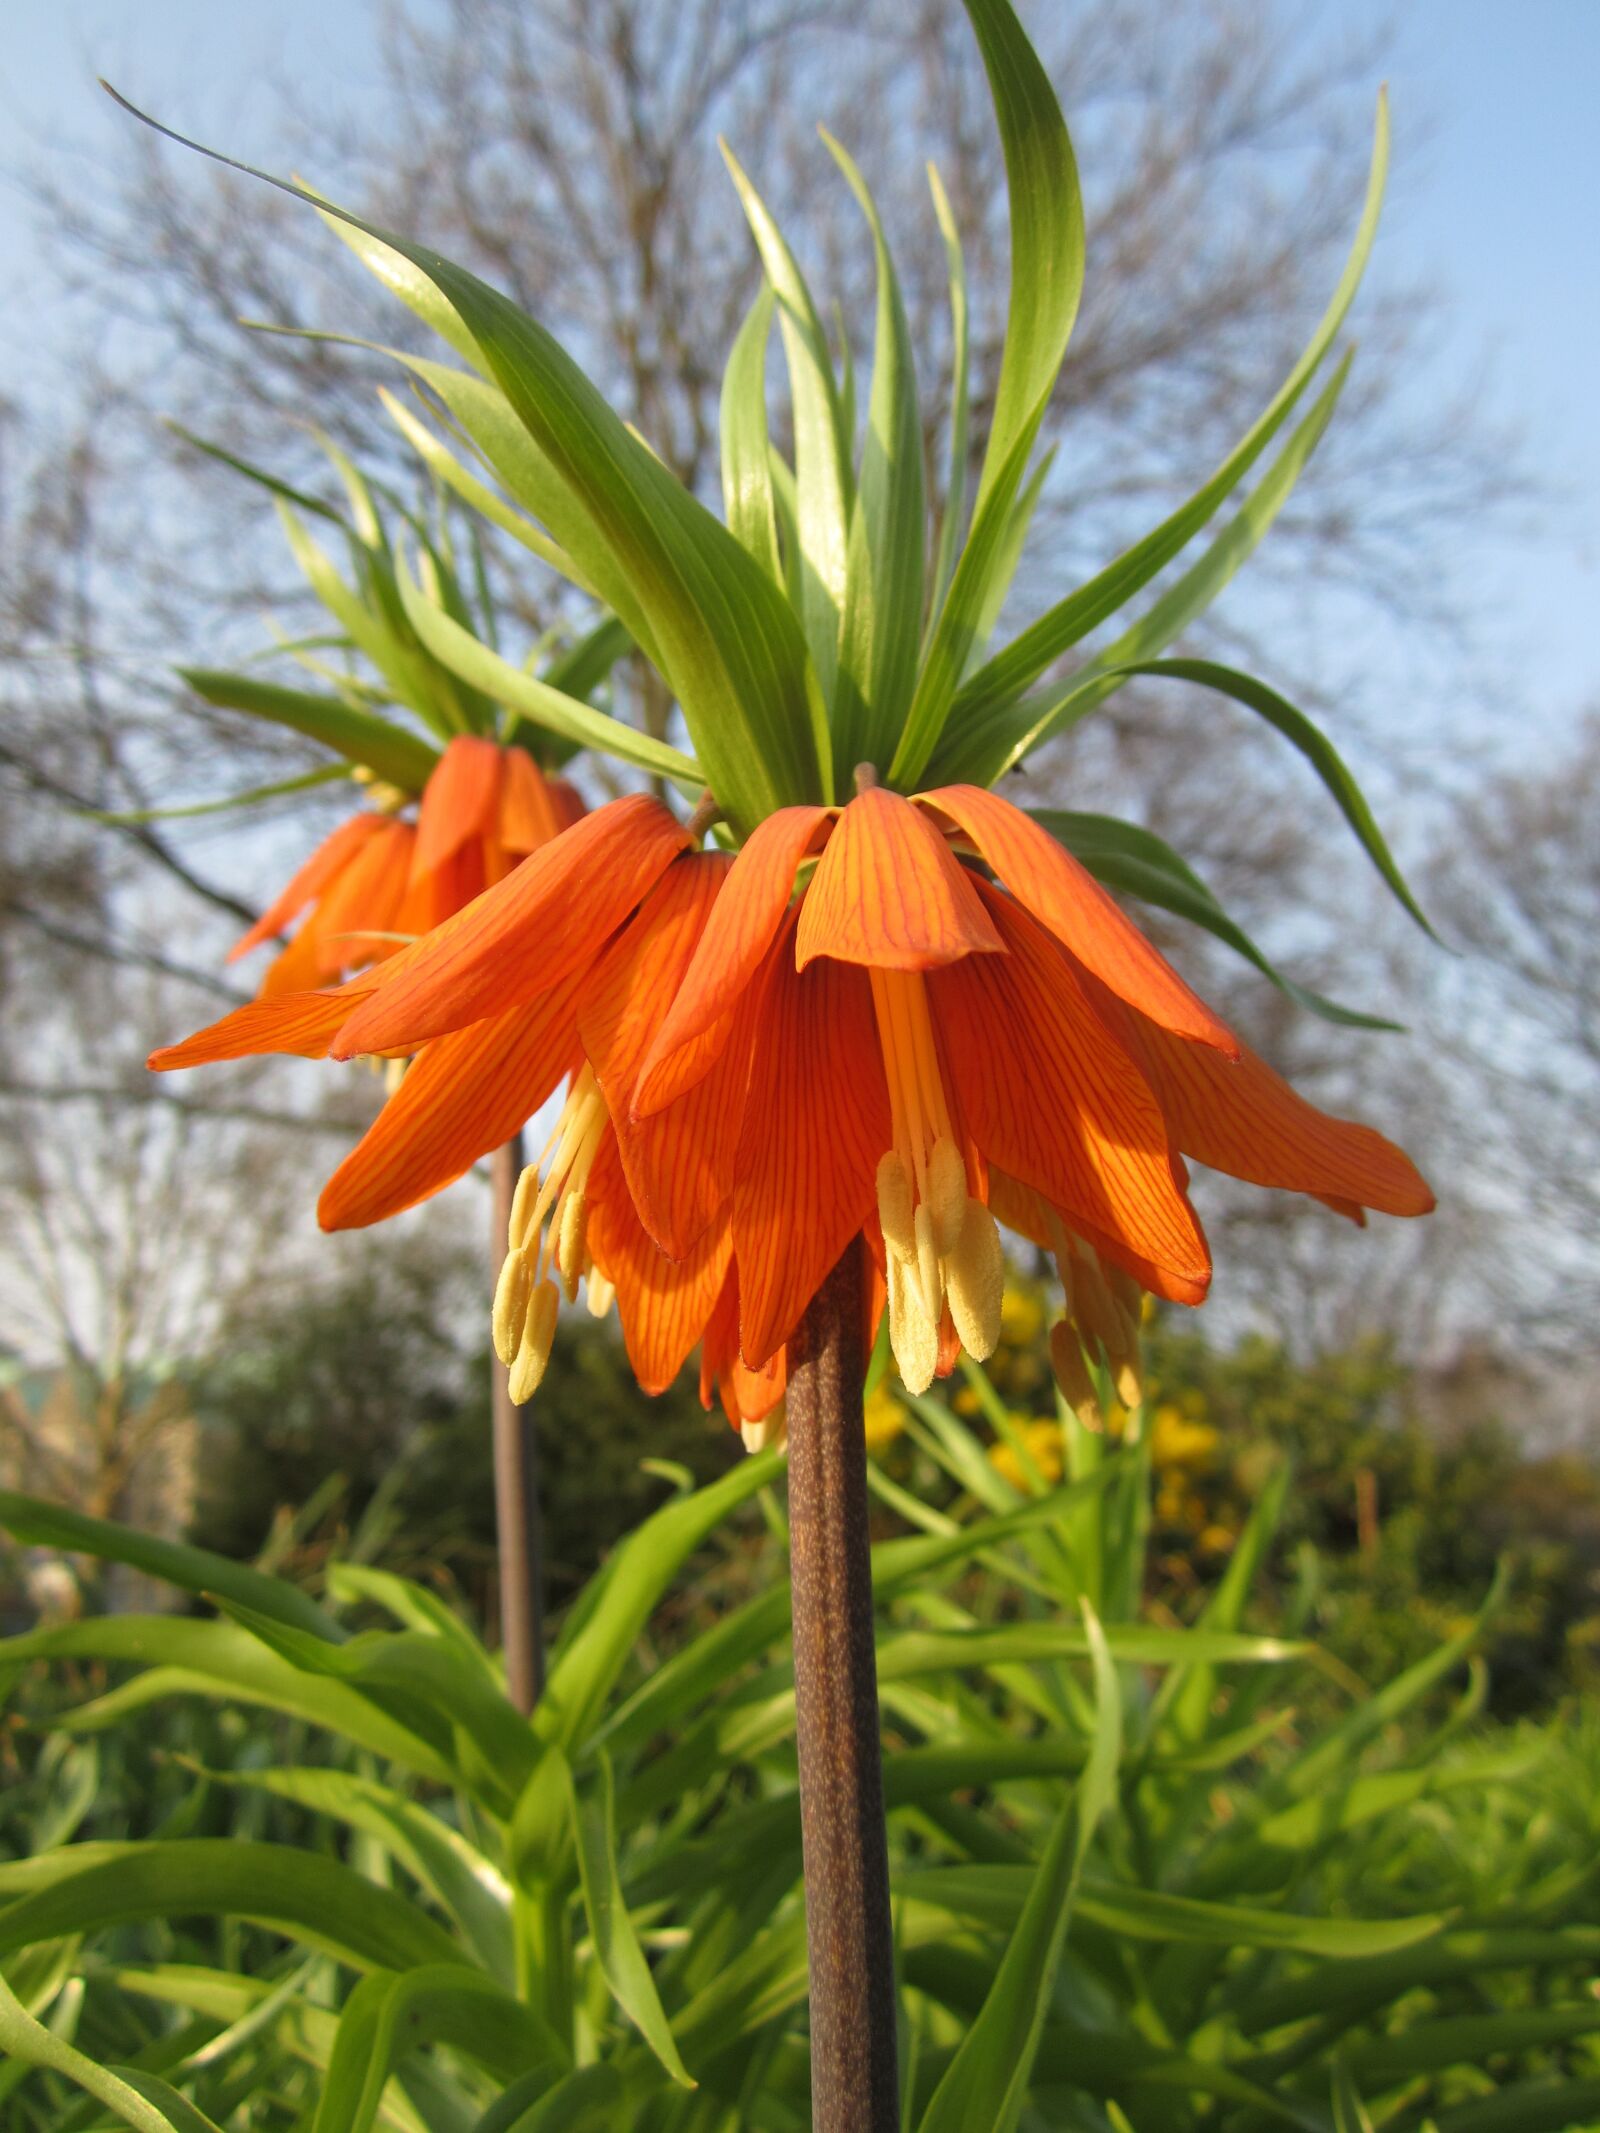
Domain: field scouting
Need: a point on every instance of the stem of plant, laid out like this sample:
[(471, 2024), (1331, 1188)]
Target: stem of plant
[(516, 1487), (854, 2083)]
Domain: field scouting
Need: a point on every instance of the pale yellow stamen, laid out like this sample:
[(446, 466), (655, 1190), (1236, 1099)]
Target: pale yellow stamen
[(538, 1337), (549, 1230), (943, 1248), (512, 1294), (1104, 1311), (773, 1428)]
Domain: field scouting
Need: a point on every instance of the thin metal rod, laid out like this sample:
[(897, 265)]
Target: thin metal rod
[(854, 2083), (516, 1487)]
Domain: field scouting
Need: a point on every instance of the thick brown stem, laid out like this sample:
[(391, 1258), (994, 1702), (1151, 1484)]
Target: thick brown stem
[(516, 1488), (854, 2085)]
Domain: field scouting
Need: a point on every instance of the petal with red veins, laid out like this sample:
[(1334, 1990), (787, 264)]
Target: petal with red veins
[(889, 892)]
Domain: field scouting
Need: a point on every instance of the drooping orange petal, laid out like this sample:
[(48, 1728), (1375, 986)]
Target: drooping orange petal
[(1020, 1208), (302, 1025), (299, 967), (1246, 1120), (333, 853), (358, 913), (567, 801), (528, 816), (461, 1096), (523, 936), (1051, 1096), (889, 892), (664, 1304), (680, 1162), (747, 1395), (741, 930), (1065, 897), (816, 1123), (459, 801)]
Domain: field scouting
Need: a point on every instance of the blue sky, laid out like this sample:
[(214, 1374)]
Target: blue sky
[(1495, 207)]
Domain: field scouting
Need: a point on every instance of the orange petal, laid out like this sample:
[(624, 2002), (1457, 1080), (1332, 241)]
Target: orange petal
[(746, 1395), (333, 853), (1065, 897), (680, 1162), (363, 905), (528, 816), (567, 801), (742, 928), (459, 801), (889, 891), (1247, 1121), (1051, 1097), (815, 1125), (1020, 1208), (522, 937), (302, 1025), (664, 1304), (461, 1096)]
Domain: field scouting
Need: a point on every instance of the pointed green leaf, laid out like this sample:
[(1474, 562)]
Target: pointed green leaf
[(983, 743), (883, 584), (821, 444), (473, 1891), (730, 647), (1312, 743), (308, 780), (309, 1897), (955, 495), (1003, 680), (746, 451), (986, 2084), (1047, 249), (1047, 237), (443, 463), (370, 630), (616, 1945), (361, 737), (1349, 2112), (138, 2101), (1134, 860), (536, 700), (38, 1524), (388, 2016)]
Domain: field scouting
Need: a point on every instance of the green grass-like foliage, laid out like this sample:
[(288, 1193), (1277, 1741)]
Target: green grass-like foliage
[(279, 1868)]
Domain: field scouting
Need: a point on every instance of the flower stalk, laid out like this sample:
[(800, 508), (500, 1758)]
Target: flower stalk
[(518, 1524), (854, 2083)]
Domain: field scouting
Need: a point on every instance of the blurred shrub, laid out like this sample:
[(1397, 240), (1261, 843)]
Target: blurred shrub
[(368, 1380)]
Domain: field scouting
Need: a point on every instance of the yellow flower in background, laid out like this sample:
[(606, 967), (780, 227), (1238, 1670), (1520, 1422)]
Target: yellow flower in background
[(1175, 1441), (1045, 1448), (885, 1417), (1021, 1316)]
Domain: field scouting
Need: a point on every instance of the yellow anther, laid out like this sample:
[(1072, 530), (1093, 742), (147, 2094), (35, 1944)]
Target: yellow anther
[(947, 1194), (929, 1274), (895, 1204), (1072, 1374), (1129, 1383), (394, 1072), (773, 1428), (511, 1295), (975, 1278), (522, 1206), (538, 1337), (571, 1245), (600, 1294), (913, 1336)]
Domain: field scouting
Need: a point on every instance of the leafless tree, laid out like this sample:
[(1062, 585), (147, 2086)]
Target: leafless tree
[(569, 153)]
